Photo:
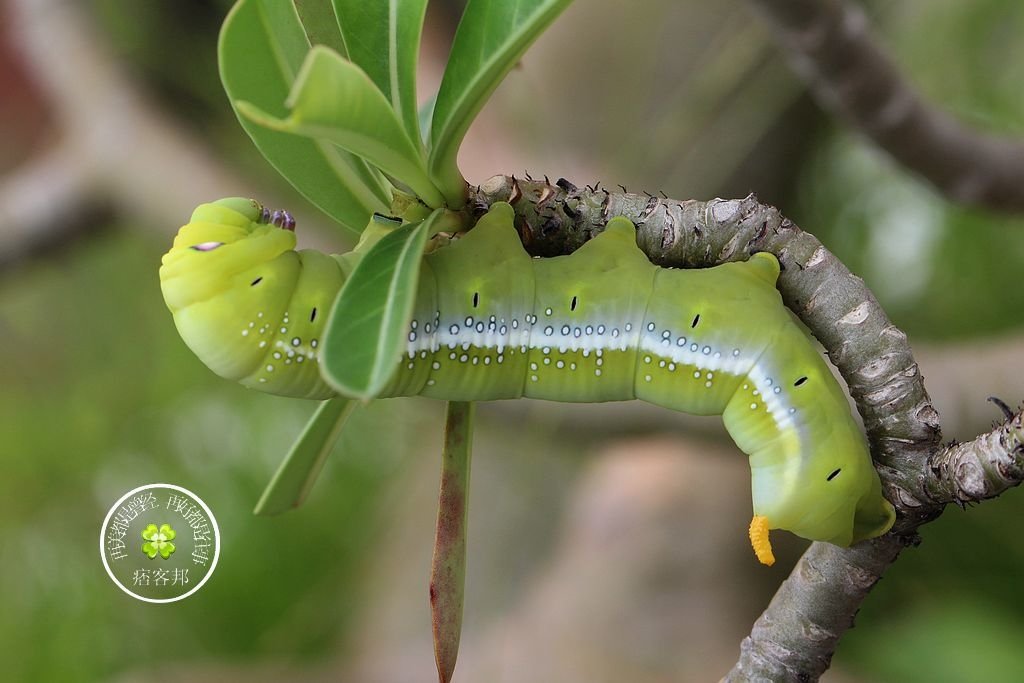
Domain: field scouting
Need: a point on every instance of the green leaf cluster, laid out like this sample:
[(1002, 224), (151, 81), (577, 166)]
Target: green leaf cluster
[(326, 89)]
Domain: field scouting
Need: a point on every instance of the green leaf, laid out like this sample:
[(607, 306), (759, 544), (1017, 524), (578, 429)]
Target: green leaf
[(366, 330), (262, 45), (383, 39), (333, 99), (491, 38), (320, 24), (448, 568), (300, 468)]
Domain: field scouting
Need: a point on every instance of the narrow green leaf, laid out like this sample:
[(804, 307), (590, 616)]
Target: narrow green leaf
[(333, 99), (299, 469), (383, 39), (262, 45), (366, 330), (491, 38), (320, 24), (448, 568)]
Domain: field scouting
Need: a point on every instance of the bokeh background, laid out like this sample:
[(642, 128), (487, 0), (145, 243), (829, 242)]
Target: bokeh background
[(607, 543)]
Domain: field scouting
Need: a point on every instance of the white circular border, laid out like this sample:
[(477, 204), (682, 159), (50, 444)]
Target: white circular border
[(216, 536)]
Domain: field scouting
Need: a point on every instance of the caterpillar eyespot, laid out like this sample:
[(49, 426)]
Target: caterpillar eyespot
[(490, 322)]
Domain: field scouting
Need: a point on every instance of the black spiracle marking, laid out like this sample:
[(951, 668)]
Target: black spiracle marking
[(256, 281), (834, 474), (800, 381), (696, 319), (572, 305), (312, 315), (476, 299)]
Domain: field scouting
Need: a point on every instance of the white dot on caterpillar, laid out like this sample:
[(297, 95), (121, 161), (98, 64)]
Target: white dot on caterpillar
[(681, 341), (451, 355), (476, 360), (546, 350), (647, 359), (599, 361), (650, 327), (251, 325), (647, 378), (597, 373), (296, 341), (287, 361), (615, 332), (423, 354), (300, 358), (260, 314), (412, 336), (694, 347), (735, 352), (463, 358), (548, 330), (454, 329), (711, 375), (661, 363), (746, 386), (480, 327), (465, 346), (590, 330), (270, 368), (547, 360), (284, 330), (696, 375), (572, 366), (792, 410), (600, 329), (565, 329), (245, 333), (753, 406), (413, 324), (706, 350), (671, 367), (756, 392), (313, 343), (411, 366), (547, 311), (666, 334), (533, 377), (487, 360), (263, 343), (469, 321), (533, 366), (277, 355), (778, 390), (263, 379), (435, 365), (629, 326), (560, 365), (501, 358), (431, 382)]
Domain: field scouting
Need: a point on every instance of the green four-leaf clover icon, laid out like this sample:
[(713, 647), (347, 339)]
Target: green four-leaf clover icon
[(158, 540)]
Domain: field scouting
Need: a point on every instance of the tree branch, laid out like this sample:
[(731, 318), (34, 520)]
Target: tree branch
[(795, 637), (833, 51)]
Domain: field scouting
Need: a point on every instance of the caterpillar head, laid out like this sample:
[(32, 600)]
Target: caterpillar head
[(247, 304), (222, 241)]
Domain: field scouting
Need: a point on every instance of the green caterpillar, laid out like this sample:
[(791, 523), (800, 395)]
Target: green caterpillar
[(602, 324)]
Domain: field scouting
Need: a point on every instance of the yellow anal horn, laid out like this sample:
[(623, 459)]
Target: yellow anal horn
[(759, 540)]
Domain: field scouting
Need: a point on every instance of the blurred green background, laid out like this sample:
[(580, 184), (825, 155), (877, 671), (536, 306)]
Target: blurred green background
[(99, 395)]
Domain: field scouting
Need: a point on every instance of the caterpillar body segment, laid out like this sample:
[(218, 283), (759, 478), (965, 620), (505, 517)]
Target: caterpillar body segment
[(601, 324)]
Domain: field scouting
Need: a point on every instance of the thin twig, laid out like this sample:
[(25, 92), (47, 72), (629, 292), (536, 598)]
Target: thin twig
[(834, 52)]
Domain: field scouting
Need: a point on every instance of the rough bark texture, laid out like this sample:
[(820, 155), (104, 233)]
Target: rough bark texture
[(833, 51), (795, 637)]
